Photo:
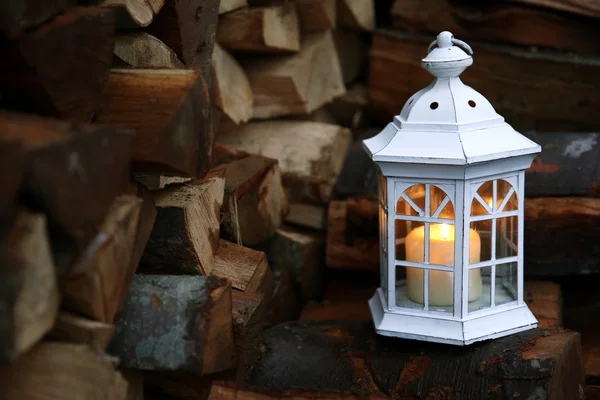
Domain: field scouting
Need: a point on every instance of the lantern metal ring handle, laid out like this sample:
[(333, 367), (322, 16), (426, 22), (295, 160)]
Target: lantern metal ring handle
[(447, 39)]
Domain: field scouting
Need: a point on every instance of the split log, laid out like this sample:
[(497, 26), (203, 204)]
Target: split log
[(60, 68), (349, 109), (176, 323), (255, 202), (352, 358), (169, 110), (529, 26), (228, 390), (75, 329), (245, 268), (134, 13), (263, 30), (353, 51), (94, 286), (230, 5), (185, 236), (316, 15), (25, 14), (310, 154), (40, 374), (140, 49), (156, 182), (67, 177), (581, 7), (307, 216), (233, 94), (302, 254), (296, 84), (29, 296), (395, 74), (224, 154), (357, 14), (286, 303)]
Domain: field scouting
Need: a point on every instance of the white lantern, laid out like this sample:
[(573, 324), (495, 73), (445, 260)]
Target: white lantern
[(451, 201)]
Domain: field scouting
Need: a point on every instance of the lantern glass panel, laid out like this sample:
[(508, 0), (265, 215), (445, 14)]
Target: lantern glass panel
[(383, 221), (382, 191), (507, 237), (403, 298), (479, 290), (412, 201), (506, 283)]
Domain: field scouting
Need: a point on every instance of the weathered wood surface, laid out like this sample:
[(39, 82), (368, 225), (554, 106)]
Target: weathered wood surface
[(76, 329), (169, 110), (176, 323), (133, 13), (529, 26), (142, 50), (229, 390), (29, 295), (242, 266), (299, 83), (286, 303), (230, 5), (95, 283), (349, 357), (59, 68), (263, 30), (62, 371), (25, 14), (185, 236), (357, 14), (310, 154), (316, 15), (520, 83), (67, 177)]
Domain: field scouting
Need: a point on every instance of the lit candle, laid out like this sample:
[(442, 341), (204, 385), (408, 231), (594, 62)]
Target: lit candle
[(441, 252)]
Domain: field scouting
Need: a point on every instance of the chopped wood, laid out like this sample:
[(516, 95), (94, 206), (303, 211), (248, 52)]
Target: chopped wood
[(264, 30), (255, 202), (307, 216), (140, 49), (156, 182), (73, 174), (29, 296), (354, 359), (233, 94), (223, 154), (169, 110), (139, 12), (310, 154), (349, 110), (356, 14), (75, 329), (185, 236), (395, 74), (62, 371), (227, 390), (176, 323), (582, 7), (529, 26), (296, 84), (241, 266), (286, 303), (13, 159), (135, 384), (230, 5), (316, 15), (353, 51), (94, 285), (319, 115), (25, 14), (59, 68), (302, 254)]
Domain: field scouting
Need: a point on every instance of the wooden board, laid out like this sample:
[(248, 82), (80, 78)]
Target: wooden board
[(142, 50), (25, 14), (60, 68)]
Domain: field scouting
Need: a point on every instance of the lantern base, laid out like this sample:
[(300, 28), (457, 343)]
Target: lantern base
[(446, 329)]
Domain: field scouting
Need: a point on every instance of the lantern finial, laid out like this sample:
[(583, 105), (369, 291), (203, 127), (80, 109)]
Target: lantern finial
[(448, 59)]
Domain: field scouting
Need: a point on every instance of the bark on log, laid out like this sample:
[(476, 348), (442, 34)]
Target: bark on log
[(230, 5), (352, 358), (185, 236), (169, 110), (29, 296), (316, 15), (357, 14), (25, 14), (142, 50), (59, 68), (75, 329), (176, 323)]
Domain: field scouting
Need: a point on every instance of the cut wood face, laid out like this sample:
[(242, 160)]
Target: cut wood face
[(238, 264), (357, 14), (140, 49), (140, 12), (316, 15)]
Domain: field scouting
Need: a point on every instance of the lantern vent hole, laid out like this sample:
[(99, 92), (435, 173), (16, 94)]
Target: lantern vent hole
[(434, 105), (472, 103)]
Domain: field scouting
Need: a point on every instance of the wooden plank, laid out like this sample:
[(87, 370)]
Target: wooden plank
[(140, 49), (169, 110), (59, 68), (176, 323), (263, 30), (29, 295), (25, 14), (76, 329), (353, 359), (316, 15), (230, 5), (521, 84), (134, 13), (357, 14)]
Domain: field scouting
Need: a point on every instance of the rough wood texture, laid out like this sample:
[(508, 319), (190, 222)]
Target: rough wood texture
[(296, 84), (29, 296), (353, 359), (59, 68), (529, 26), (521, 84), (582, 7), (176, 323), (264, 30), (169, 110), (357, 14), (352, 49), (310, 154), (25, 14), (316, 15), (74, 172), (245, 268), (230, 5), (233, 94), (307, 216), (62, 371), (134, 13), (94, 285), (140, 49), (75, 329), (228, 390), (255, 202), (156, 182), (185, 236)]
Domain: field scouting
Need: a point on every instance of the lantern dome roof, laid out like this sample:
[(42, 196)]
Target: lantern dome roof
[(448, 122)]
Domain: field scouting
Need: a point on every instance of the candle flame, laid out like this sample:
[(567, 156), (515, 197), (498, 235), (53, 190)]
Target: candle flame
[(445, 231)]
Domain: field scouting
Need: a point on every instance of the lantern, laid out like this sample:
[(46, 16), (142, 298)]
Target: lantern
[(451, 198)]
